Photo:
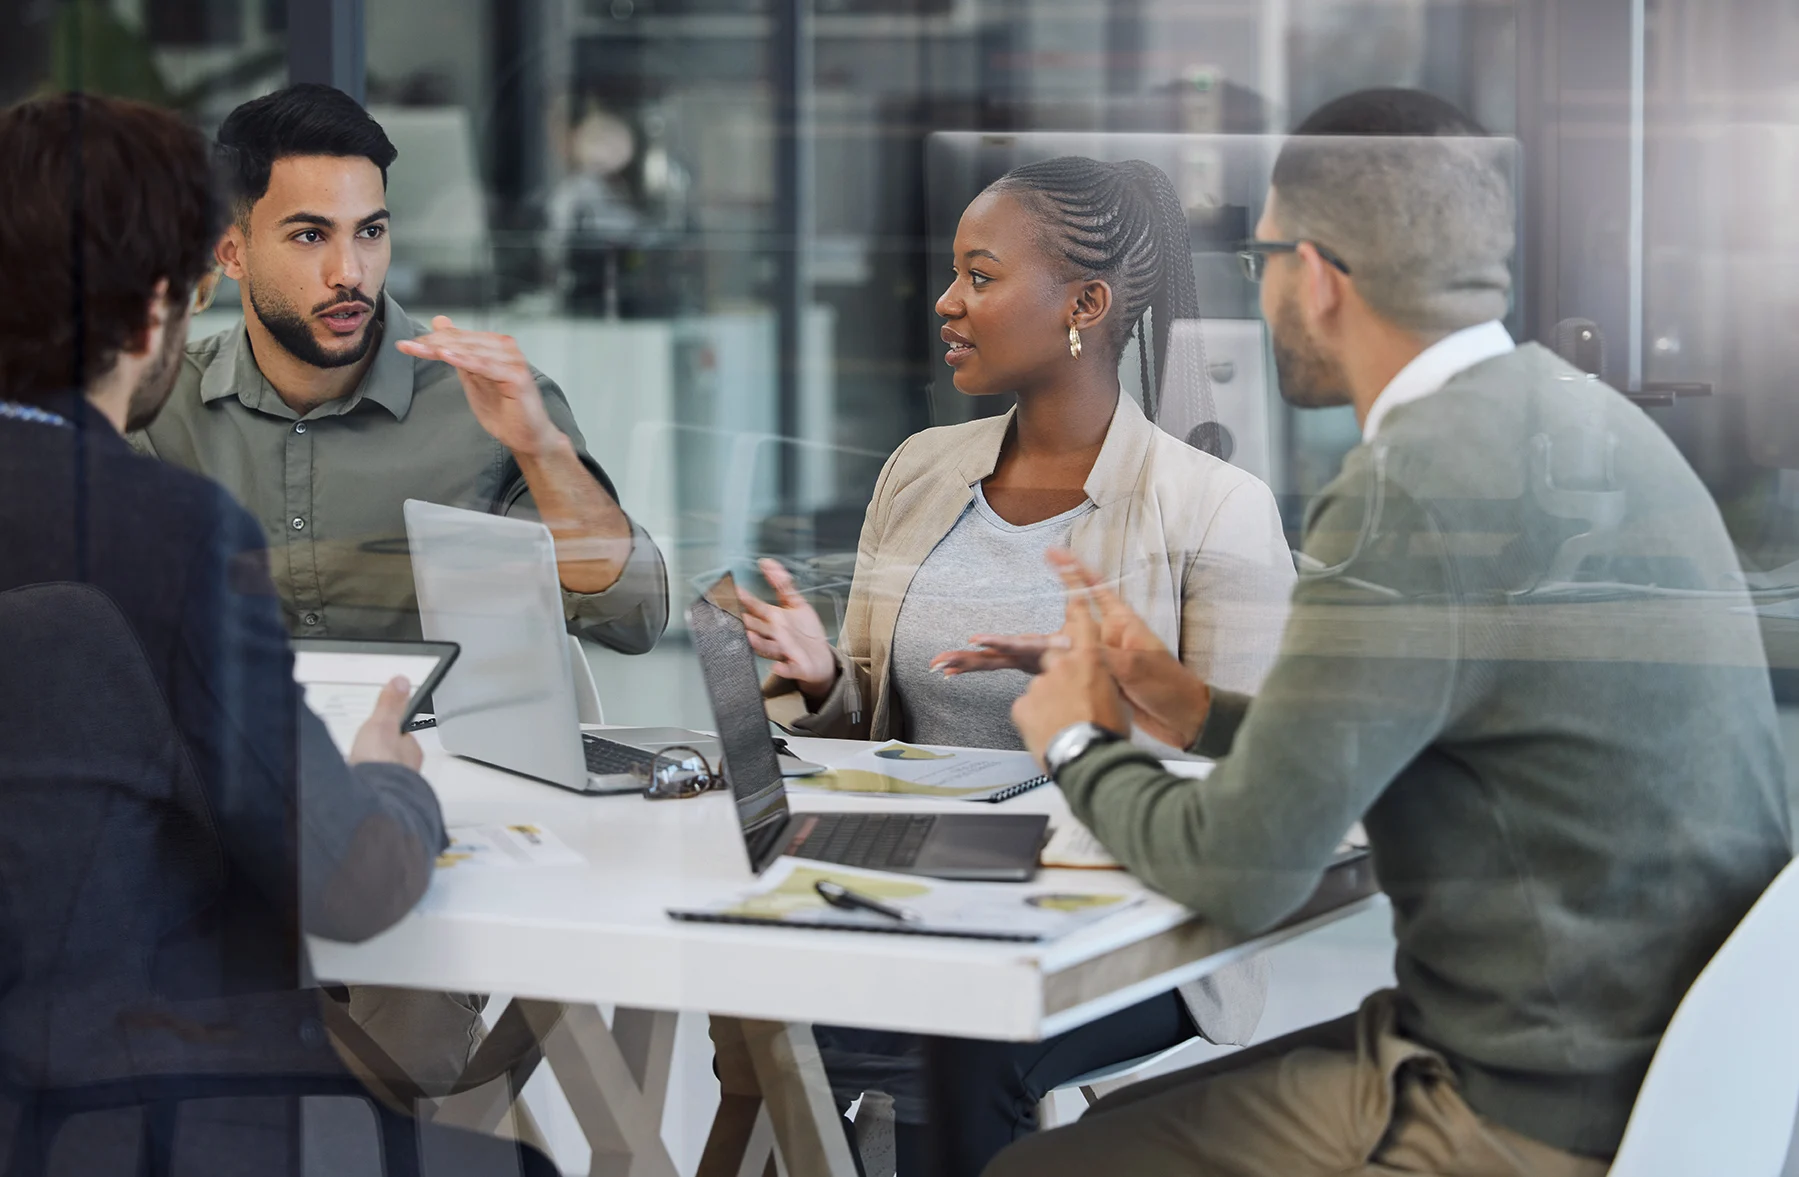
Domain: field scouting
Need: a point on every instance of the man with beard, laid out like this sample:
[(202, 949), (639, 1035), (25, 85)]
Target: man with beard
[(175, 816), (328, 408), (1519, 653)]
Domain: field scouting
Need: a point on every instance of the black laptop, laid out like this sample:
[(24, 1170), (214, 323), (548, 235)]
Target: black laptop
[(994, 847)]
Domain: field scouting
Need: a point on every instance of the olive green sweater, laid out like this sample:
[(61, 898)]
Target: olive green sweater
[(1522, 658)]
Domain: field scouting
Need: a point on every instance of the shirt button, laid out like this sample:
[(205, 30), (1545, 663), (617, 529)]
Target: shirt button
[(311, 619), (299, 523), (300, 427)]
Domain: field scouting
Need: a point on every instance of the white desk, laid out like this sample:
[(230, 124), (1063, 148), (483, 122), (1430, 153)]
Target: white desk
[(578, 937)]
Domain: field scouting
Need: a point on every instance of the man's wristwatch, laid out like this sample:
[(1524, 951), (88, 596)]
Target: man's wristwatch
[(1072, 742)]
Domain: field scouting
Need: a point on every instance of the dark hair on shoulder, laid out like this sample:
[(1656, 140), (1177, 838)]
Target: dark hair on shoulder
[(1122, 222), (304, 119), (103, 199), (1390, 110)]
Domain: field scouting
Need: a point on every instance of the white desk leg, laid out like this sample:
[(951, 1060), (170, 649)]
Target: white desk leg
[(770, 1074), (617, 1097)]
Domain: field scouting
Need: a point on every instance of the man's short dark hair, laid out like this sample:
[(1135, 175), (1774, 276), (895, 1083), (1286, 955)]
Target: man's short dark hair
[(1389, 110), (103, 199), (305, 119)]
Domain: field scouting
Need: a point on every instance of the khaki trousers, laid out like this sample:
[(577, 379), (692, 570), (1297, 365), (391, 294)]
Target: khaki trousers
[(1350, 1097)]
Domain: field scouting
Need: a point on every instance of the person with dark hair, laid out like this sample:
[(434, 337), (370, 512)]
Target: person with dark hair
[(1520, 654), (1389, 110), (175, 817), (1057, 265), (328, 408)]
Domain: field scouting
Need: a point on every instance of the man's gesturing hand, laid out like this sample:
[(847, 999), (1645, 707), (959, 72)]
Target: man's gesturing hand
[(380, 740), (790, 635), (501, 390), (1075, 687), (1170, 701)]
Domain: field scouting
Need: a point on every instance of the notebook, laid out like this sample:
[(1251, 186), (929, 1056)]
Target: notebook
[(930, 770), (786, 895)]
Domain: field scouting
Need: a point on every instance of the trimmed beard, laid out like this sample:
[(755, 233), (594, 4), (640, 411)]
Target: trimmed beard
[(1308, 378), (293, 331)]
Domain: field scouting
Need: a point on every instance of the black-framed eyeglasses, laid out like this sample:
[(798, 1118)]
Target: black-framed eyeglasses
[(1254, 256), (677, 773)]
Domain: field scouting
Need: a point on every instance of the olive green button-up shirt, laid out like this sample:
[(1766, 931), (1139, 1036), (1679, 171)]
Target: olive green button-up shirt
[(328, 486)]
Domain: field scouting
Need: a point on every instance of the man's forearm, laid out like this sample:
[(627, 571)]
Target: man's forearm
[(592, 534)]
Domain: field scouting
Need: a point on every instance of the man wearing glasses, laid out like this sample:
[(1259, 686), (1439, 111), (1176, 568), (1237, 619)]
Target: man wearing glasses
[(328, 408), (1519, 653)]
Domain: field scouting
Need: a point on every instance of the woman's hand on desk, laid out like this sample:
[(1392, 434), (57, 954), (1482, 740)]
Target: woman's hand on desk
[(789, 634)]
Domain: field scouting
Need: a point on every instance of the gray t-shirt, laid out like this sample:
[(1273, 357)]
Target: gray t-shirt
[(985, 576)]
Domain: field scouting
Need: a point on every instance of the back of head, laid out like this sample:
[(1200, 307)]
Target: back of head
[(1122, 222), (1399, 184), (304, 119), (103, 200)]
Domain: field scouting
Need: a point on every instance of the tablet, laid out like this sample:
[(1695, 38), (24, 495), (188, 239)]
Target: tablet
[(342, 679)]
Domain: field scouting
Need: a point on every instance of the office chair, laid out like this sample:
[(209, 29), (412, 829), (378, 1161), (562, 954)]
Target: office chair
[(1722, 1089), (113, 994)]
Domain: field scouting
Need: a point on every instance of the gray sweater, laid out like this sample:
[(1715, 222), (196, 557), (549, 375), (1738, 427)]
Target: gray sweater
[(1522, 659)]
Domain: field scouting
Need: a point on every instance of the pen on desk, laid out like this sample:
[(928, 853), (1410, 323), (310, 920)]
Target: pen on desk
[(837, 895)]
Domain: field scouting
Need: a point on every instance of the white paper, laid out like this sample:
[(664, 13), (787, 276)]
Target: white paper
[(341, 688), (786, 894), (505, 847), (1072, 844), (923, 770)]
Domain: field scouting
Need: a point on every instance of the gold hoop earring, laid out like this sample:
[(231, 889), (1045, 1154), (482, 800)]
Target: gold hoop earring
[(1074, 342)]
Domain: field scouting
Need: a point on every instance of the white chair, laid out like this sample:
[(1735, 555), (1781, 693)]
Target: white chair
[(1724, 1085)]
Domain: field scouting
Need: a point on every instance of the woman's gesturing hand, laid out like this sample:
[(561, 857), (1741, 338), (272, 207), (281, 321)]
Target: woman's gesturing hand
[(996, 651), (1119, 629), (789, 634)]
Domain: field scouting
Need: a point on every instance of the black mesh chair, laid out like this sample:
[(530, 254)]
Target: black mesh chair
[(139, 1034)]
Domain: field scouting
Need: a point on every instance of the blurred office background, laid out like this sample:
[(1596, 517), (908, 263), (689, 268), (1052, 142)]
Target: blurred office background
[(720, 225)]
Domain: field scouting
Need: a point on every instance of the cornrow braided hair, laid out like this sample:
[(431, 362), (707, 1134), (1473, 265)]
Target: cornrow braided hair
[(1123, 222)]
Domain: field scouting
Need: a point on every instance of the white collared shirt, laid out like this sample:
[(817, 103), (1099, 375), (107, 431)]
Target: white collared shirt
[(1436, 366)]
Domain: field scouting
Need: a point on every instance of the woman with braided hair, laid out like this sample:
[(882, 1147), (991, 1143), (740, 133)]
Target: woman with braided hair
[(1056, 265)]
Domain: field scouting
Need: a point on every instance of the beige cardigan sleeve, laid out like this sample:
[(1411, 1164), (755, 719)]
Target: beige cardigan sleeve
[(847, 712), (1235, 595)]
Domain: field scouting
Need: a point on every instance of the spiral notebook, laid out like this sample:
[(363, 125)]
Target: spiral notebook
[(786, 896), (929, 770)]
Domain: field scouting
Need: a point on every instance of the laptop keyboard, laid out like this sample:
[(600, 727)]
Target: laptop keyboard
[(881, 841), (611, 758)]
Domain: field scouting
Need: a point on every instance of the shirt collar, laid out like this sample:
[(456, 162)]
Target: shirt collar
[(1115, 471), (388, 382), (1435, 367)]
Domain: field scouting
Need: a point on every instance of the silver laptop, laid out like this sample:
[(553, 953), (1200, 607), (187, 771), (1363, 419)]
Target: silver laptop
[(489, 584)]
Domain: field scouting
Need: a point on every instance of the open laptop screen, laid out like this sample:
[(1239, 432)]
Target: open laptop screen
[(729, 667)]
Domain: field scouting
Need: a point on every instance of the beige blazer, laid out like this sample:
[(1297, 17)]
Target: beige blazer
[(1193, 544)]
